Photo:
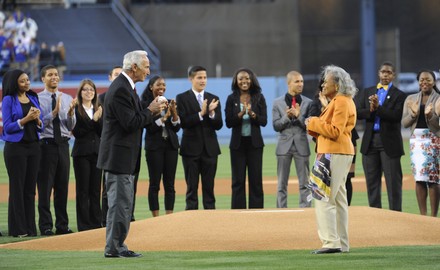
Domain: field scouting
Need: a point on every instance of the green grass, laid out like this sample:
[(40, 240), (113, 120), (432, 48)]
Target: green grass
[(406, 257), (362, 258)]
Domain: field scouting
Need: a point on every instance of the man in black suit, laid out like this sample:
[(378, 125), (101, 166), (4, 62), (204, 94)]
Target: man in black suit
[(120, 148), (200, 117), (381, 107), (113, 74)]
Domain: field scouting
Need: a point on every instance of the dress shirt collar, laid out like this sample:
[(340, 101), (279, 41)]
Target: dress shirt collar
[(47, 92), (197, 93), (129, 79)]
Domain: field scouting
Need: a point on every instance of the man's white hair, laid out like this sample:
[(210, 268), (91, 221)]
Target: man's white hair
[(133, 57)]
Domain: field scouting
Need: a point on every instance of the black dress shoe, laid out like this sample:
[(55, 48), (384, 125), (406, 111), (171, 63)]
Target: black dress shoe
[(129, 254), (20, 235), (64, 231), (327, 251), (110, 255), (47, 232)]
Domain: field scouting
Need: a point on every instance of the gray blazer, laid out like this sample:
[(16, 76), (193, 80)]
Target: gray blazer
[(409, 122), (291, 130)]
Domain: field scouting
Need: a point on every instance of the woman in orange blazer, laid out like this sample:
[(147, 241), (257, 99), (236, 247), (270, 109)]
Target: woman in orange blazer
[(332, 130)]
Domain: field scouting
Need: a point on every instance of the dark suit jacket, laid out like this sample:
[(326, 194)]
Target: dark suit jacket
[(197, 134), (233, 121), (124, 120), (153, 138), (101, 98), (390, 114), (87, 135)]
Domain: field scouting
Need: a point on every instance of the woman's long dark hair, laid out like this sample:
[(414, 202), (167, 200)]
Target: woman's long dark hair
[(147, 96), (79, 105), (10, 83), (254, 88)]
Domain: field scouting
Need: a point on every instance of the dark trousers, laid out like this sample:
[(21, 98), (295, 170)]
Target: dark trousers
[(162, 163), (53, 174), (22, 161), (250, 158), (88, 192), (104, 206), (375, 162), (206, 167)]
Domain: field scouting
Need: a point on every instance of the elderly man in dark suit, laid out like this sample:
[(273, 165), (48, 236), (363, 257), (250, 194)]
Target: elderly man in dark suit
[(200, 117), (120, 149), (381, 107)]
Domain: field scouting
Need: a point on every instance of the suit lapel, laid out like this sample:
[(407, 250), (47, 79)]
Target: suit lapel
[(388, 96)]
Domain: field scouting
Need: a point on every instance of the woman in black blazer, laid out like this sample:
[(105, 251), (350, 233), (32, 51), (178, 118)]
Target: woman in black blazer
[(22, 123), (87, 134), (161, 147), (245, 112)]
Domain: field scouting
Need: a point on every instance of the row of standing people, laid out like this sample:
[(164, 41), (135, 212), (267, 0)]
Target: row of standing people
[(246, 146), (199, 115), (36, 133)]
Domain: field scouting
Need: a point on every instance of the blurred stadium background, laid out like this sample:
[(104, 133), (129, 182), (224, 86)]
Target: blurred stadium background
[(86, 38)]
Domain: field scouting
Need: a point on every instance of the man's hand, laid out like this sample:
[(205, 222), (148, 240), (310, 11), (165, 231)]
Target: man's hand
[(56, 110), (204, 109), (374, 102), (156, 107), (297, 110), (213, 105)]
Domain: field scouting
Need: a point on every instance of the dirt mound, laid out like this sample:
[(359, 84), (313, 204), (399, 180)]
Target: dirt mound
[(268, 229)]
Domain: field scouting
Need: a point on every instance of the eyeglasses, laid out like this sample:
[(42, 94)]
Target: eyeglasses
[(88, 90)]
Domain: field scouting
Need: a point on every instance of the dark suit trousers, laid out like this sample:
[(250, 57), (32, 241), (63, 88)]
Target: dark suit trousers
[(250, 158), (374, 163), (88, 192), (162, 163), (22, 161), (53, 174), (206, 167)]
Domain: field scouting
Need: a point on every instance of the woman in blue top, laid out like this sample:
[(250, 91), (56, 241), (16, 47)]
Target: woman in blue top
[(22, 123)]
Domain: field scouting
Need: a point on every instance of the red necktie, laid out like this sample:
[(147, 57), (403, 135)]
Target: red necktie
[(293, 102)]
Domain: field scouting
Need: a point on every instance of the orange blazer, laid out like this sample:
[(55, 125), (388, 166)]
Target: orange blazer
[(333, 127)]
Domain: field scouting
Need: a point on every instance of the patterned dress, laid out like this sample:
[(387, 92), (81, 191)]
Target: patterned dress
[(425, 155)]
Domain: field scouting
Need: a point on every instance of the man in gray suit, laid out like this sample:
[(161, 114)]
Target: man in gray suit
[(288, 115)]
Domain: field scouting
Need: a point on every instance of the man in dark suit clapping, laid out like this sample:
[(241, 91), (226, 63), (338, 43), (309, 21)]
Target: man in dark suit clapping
[(200, 117), (120, 148), (381, 107)]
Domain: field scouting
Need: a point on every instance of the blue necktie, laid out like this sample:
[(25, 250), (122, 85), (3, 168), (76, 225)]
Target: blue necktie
[(199, 99)]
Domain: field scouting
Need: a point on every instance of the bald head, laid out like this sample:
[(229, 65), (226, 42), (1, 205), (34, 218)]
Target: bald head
[(295, 83)]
